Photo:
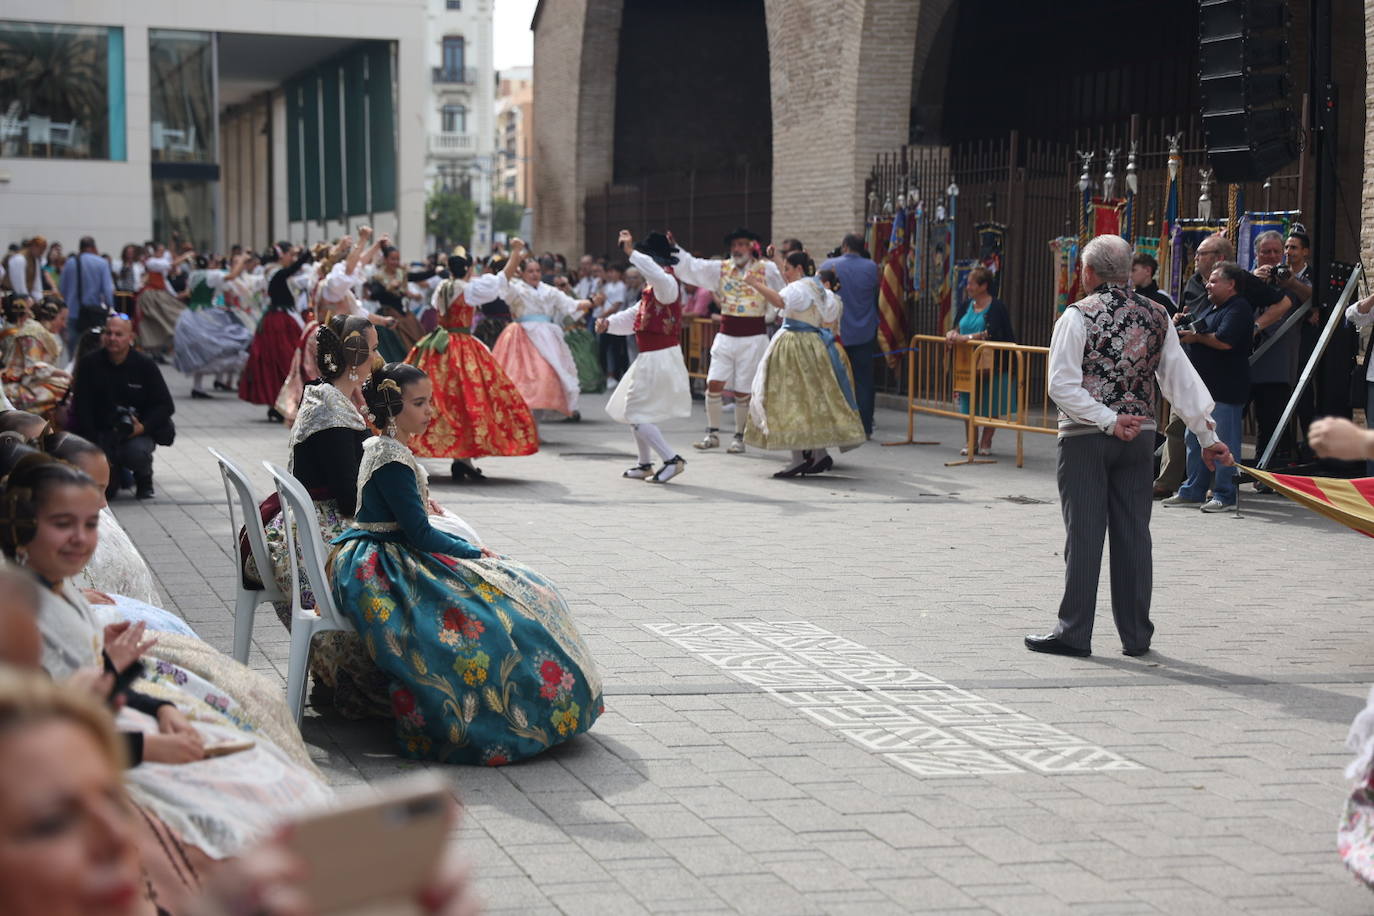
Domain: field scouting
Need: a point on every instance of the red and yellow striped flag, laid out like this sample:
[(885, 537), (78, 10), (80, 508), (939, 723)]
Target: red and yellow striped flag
[(1349, 502), (892, 292)]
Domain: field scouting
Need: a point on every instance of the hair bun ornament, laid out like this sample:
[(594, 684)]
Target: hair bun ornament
[(355, 349), (329, 353)]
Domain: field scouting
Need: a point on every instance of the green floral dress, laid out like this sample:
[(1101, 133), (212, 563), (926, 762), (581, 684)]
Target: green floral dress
[(485, 663)]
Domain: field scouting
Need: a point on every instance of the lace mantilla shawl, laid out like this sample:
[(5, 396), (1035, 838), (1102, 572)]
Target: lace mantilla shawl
[(378, 452), (322, 407)]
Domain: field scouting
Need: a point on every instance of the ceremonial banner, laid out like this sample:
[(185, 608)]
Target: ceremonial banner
[(992, 240), (1191, 232), (1107, 216), (1064, 253), (942, 271), (882, 234), (1146, 245), (1347, 502), (892, 293), (916, 250)]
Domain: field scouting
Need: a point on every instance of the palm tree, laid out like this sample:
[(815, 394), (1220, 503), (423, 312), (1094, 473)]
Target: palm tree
[(60, 72)]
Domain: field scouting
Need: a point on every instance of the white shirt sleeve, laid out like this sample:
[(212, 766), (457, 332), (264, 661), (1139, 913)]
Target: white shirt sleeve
[(772, 276), (623, 322), (18, 275), (1357, 318), (664, 286), (1185, 390), (1066, 374), (483, 289), (697, 271), (795, 298), (215, 278), (162, 265), (559, 302)]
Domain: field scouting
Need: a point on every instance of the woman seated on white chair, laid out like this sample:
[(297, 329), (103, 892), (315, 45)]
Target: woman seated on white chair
[(326, 448), (117, 581)]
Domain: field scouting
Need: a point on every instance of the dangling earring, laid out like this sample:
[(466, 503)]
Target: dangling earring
[(352, 373), (391, 427), (21, 556)]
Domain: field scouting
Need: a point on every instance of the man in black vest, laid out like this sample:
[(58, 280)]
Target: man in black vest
[(1109, 353)]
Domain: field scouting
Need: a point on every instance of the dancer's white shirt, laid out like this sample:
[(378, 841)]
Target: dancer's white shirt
[(656, 387), (547, 336)]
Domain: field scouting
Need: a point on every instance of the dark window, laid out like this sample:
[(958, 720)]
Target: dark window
[(453, 57), (455, 119), (454, 4), (61, 91)]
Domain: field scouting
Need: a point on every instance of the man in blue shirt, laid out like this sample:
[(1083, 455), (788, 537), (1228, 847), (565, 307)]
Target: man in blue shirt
[(88, 294), (859, 324), (1218, 343)]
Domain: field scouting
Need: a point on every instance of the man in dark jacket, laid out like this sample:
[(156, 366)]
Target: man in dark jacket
[(122, 403)]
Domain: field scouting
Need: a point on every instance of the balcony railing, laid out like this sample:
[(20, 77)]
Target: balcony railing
[(452, 144), (464, 76)]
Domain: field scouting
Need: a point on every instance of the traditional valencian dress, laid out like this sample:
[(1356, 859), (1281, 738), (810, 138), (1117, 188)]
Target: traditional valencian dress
[(478, 410), (803, 394), (486, 664), (119, 571), (219, 804), (158, 308), (583, 345), (656, 386), (532, 350), (274, 344), (210, 339), (33, 380)]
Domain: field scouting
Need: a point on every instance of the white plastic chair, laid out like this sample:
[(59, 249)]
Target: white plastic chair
[(300, 521), (247, 599)]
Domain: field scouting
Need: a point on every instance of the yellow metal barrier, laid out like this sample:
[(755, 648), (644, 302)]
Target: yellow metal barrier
[(929, 384), (697, 336), (1002, 396)]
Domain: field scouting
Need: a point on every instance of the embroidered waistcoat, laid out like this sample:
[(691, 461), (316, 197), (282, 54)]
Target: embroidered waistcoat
[(1125, 340)]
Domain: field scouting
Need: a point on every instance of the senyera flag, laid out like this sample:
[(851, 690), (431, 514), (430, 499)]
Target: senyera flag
[(1349, 502), (892, 292)]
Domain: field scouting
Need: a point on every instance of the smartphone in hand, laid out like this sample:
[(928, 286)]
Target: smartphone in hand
[(375, 855)]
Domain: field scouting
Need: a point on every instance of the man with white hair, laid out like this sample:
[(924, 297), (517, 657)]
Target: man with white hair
[(743, 336), (1110, 355)]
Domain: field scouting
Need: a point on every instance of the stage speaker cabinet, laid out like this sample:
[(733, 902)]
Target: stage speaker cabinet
[(1247, 115)]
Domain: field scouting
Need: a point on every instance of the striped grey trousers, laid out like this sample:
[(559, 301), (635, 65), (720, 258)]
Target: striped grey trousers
[(1106, 490)]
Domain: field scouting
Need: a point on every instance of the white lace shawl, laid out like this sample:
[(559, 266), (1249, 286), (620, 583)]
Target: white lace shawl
[(379, 451), (117, 568), (322, 407)]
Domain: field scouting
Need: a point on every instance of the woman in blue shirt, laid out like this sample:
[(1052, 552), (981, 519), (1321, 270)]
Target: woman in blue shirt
[(985, 317)]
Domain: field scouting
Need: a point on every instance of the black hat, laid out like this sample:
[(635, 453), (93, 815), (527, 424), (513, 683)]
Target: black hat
[(657, 246), (742, 234)]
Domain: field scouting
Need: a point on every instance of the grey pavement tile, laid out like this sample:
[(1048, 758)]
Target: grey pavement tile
[(698, 792)]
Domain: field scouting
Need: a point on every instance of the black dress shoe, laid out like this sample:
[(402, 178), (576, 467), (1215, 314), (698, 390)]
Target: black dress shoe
[(1053, 645), (1134, 653), (820, 467), (274, 417), (198, 395), (145, 491), (220, 386), (796, 470)]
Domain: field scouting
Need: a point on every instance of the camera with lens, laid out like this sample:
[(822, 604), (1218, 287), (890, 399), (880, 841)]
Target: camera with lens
[(125, 421), (1280, 273), (1185, 321)]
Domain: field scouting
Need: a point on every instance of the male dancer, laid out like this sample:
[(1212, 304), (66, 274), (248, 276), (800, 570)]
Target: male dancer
[(743, 337)]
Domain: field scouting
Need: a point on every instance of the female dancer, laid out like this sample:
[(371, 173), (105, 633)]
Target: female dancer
[(158, 306), (50, 519), (656, 387), (390, 288), (274, 344), (803, 394), (210, 340), (478, 411), (532, 349), (485, 662)]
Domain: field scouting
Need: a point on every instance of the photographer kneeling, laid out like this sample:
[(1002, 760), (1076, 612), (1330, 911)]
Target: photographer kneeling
[(122, 403)]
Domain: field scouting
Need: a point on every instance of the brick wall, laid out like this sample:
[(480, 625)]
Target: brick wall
[(557, 78), (1367, 198), (841, 78)]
